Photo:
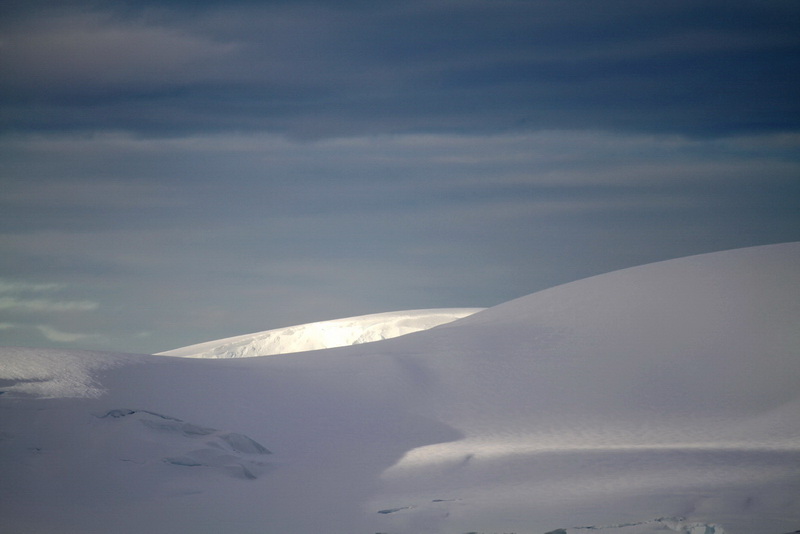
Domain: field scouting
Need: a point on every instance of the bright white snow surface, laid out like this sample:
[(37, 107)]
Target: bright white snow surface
[(661, 398), (324, 334)]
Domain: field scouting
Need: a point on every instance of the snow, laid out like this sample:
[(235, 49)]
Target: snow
[(323, 334), (660, 398)]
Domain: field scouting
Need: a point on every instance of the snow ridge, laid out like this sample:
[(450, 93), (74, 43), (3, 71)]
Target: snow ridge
[(324, 334)]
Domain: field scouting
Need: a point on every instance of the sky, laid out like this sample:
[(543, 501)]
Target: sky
[(177, 172)]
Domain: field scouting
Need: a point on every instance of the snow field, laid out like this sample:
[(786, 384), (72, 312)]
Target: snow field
[(660, 398)]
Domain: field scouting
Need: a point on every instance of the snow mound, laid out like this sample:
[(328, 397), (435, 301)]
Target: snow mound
[(323, 334)]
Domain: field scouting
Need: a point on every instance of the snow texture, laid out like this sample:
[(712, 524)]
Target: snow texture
[(192, 445), (661, 398)]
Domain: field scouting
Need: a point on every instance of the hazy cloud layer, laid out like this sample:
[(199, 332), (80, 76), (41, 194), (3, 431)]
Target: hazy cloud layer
[(174, 172), (319, 68), (17, 297), (61, 337)]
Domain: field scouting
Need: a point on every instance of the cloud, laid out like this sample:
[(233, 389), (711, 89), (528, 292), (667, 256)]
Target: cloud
[(17, 287), (62, 337), (314, 70), (14, 297), (96, 51), (46, 305), (22, 302)]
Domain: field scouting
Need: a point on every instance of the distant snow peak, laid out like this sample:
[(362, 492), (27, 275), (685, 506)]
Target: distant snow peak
[(324, 334)]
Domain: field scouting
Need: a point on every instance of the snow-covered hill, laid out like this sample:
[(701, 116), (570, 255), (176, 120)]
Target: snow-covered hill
[(661, 398), (324, 334)]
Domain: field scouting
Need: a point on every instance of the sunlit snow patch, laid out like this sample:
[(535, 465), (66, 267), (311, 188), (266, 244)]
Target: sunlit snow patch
[(324, 334)]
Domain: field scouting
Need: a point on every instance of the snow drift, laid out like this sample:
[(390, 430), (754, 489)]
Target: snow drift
[(324, 334), (661, 398)]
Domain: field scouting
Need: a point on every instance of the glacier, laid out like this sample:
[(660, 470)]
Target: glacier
[(660, 398)]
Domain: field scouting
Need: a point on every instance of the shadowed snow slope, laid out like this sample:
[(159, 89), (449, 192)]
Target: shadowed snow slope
[(323, 334), (661, 398)]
